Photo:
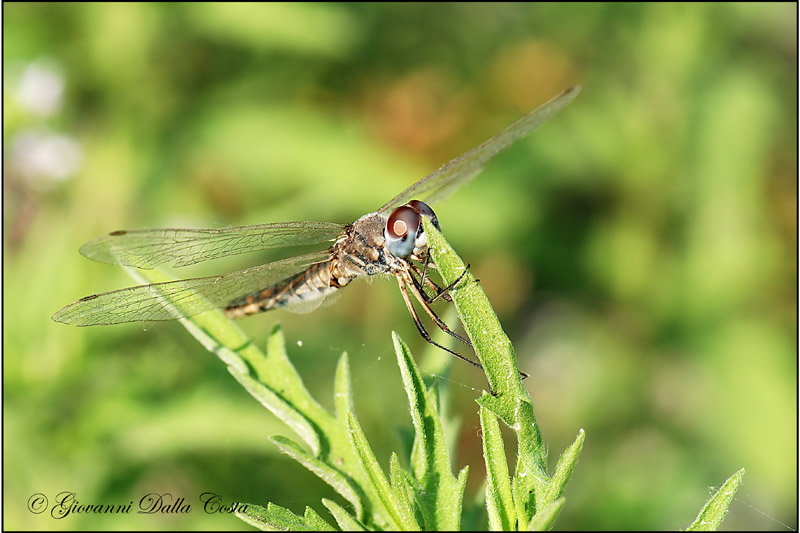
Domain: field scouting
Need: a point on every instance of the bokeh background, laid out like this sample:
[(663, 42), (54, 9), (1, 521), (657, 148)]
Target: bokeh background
[(640, 249)]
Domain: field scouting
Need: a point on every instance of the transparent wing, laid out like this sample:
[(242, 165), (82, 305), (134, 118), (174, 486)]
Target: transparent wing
[(460, 170), (180, 247), (176, 299)]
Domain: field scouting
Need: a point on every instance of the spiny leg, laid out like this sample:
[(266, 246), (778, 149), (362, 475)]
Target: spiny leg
[(443, 293), (424, 279), (424, 274), (421, 328), (424, 299), (446, 291), (430, 283), (411, 283)]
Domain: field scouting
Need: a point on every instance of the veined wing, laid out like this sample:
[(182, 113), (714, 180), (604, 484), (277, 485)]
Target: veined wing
[(176, 299), (181, 247), (460, 170)]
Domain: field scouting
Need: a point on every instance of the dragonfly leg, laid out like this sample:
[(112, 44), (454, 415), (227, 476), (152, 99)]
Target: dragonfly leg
[(443, 293), (418, 294), (425, 280), (421, 328), (425, 300)]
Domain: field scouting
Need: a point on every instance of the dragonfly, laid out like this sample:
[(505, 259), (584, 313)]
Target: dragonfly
[(390, 241)]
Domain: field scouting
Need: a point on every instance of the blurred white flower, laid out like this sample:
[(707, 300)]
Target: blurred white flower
[(42, 157), (40, 88)]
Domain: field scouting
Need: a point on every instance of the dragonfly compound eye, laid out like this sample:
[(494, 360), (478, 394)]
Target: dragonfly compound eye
[(401, 230), (425, 210)]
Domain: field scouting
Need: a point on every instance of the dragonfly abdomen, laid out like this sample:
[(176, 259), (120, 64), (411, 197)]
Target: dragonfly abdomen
[(302, 292)]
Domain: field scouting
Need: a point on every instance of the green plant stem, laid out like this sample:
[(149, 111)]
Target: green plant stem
[(509, 400)]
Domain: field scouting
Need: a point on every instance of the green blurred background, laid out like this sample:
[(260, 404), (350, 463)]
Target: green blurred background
[(640, 249)]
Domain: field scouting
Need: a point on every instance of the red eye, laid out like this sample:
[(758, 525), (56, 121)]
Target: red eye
[(403, 221), (401, 230)]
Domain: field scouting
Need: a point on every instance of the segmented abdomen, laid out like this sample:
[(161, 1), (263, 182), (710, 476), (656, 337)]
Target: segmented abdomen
[(302, 292)]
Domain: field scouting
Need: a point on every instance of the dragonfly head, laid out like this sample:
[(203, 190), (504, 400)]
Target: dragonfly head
[(404, 232)]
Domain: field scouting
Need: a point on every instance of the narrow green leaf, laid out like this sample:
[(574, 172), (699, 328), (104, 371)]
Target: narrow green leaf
[(566, 464), (417, 398), (440, 488), (272, 517), (340, 483), (451, 426), (545, 519), (499, 500), (418, 458), (315, 521), (345, 520), (284, 379), (421, 503), (716, 508), (401, 493), (283, 410), (342, 392), (461, 485), (375, 476), (275, 517)]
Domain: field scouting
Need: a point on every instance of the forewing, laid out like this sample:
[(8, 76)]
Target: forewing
[(181, 247), (460, 170), (183, 298)]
